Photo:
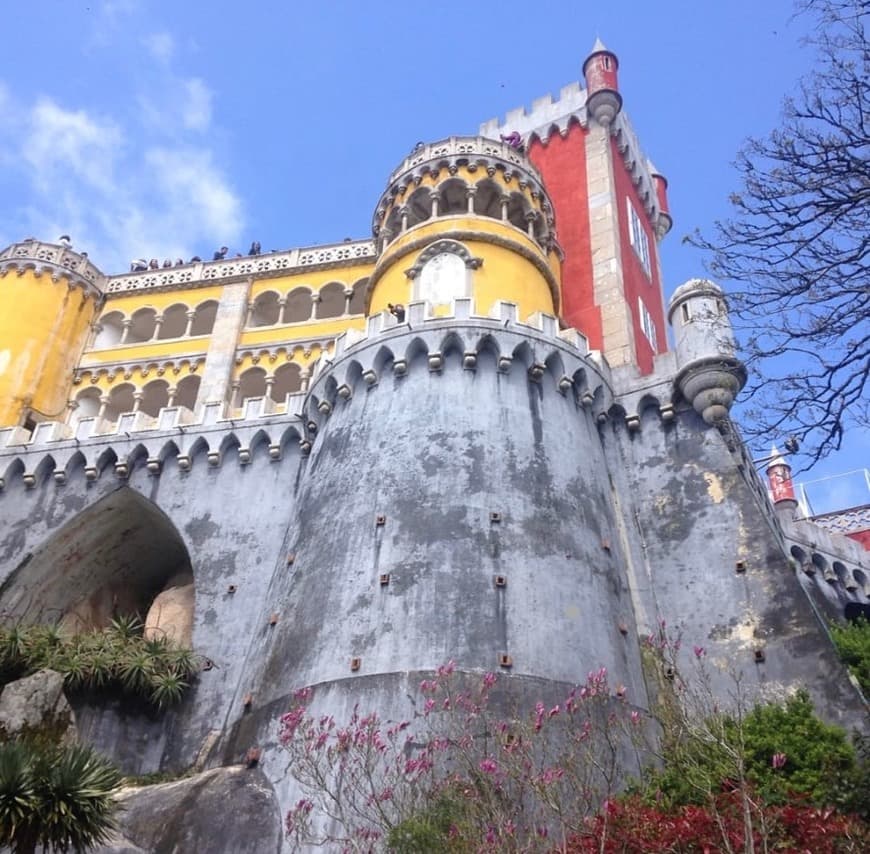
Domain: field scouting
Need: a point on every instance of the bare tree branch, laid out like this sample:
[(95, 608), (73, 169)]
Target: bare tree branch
[(797, 244)]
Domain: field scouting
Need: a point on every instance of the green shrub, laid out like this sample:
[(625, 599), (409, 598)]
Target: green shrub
[(853, 644), (117, 658), (56, 796)]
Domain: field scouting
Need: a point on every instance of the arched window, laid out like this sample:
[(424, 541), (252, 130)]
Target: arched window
[(111, 329), (88, 403), (487, 199), (174, 322), (332, 300), (120, 401), (266, 311), (203, 319), (186, 392), (155, 396), (419, 206), (142, 326), (518, 207), (358, 300), (287, 380), (454, 199), (442, 279), (252, 383), (298, 306)]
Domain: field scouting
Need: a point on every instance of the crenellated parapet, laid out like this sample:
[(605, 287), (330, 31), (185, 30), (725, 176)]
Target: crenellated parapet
[(63, 459)]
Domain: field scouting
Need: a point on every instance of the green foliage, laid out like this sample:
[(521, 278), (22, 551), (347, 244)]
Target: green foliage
[(815, 759), (434, 829), (853, 644), (817, 756), (117, 658), (56, 796)]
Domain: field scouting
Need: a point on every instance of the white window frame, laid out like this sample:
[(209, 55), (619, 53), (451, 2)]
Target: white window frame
[(639, 239), (647, 325)]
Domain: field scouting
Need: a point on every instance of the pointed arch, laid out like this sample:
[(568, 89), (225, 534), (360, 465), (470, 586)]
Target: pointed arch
[(44, 470), (111, 559), (287, 379), (199, 448), (143, 324), (419, 206), (13, 472), (187, 390), (155, 396), (522, 354), (74, 464), (168, 452), (260, 443), (454, 197), (106, 459), (555, 366), (229, 442), (452, 348), (416, 350), (383, 361), (110, 330), (358, 300)]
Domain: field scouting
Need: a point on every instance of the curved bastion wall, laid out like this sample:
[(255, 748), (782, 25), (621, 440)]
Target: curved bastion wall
[(455, 505)]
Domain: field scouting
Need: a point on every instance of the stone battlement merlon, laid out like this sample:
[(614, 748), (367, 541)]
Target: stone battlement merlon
[(548, 115)]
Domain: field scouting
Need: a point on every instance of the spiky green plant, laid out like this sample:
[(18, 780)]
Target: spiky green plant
[(18, 797), (136, 670), (167, 689), (184, 661), (55, 796), (127, 627)]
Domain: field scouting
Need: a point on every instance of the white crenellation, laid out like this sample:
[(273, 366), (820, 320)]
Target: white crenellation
[(548, 116)]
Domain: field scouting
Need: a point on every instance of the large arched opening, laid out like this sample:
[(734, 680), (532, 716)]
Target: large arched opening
[(120, 557)]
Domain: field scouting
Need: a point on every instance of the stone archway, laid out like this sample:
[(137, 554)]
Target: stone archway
[(119, 557)]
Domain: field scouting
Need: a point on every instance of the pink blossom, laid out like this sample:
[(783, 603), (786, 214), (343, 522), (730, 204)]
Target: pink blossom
[(778, 760), (490, 836), (429, 705), (488, 766), (446, 669), (489, 679), (635, 718), (699, 651), (554, 711)]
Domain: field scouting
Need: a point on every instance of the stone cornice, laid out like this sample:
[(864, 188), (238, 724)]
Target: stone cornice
[(57, 260)]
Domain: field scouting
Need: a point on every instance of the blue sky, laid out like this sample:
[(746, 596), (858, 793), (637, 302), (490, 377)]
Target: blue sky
[(158, 129)]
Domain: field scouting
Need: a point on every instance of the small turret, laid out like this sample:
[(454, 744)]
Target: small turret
[(709, 374), (603, 101), (780, 482), (664, 222)]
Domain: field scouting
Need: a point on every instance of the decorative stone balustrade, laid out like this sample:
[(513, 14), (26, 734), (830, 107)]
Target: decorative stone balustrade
[(271, 264), (56, 259)]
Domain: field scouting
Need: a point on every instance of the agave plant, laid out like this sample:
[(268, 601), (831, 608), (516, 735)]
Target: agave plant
[(126, 627), (136, 670), (55, 796), (167, 689)]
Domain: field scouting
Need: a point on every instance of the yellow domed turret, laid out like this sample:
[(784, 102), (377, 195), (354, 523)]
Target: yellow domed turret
[(49, 297), (465, 217)]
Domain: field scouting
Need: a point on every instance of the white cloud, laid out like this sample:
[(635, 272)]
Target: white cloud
[(161, 46), (121, 189), (61, 144), (196, 112)]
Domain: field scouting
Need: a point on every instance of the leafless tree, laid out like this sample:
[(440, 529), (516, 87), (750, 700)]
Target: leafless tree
[(796, 245)]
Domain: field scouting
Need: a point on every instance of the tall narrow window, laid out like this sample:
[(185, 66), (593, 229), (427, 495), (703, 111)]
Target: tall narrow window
[(639, 240), (647, 325)]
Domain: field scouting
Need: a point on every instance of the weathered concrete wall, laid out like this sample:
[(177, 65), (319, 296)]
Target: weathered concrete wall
[(711, 561)]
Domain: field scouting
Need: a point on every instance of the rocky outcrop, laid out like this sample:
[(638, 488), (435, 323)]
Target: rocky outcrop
[(36, 704), (229, 810), (171, 612)]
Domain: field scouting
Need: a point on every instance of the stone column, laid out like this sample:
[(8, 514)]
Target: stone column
[(505, 199), (282, 302), (171, 392), (470, 193), (125, 332), (221, 354), (158, 323), (137, 400), (403, 211), (190, 316), (608, 283), (104, 405), (435, 196), (348, 296), (315, 298)]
